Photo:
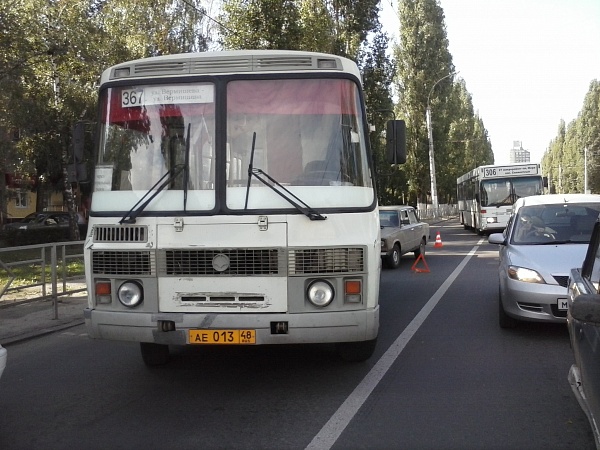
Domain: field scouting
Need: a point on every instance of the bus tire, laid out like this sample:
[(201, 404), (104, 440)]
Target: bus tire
[(356, 351), (154, 354)]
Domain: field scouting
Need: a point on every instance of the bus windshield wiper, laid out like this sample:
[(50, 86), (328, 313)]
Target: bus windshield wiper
[(169, 176), (278, 188)]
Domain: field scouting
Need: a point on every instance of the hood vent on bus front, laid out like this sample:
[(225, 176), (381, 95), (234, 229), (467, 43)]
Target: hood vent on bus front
[(219, 64), (111, 233), (163, 68)]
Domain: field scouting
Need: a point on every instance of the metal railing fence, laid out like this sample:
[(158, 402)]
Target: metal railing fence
[(44, 266)]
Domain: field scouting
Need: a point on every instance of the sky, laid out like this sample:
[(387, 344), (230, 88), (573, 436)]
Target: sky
[(527, 63)]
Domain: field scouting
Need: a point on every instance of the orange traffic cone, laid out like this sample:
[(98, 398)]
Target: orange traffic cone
[(438, 240)]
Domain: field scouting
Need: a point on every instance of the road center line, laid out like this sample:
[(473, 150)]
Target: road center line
[(334, 427)]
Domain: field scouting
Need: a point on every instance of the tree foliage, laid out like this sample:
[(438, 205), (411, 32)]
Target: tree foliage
[(564, 162), (340, 27), (425, 77), (52, 52)]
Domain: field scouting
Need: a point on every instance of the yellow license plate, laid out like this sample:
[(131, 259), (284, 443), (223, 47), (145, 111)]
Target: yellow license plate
[(222, 337)]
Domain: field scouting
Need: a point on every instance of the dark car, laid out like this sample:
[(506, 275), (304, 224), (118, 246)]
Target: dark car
[(583, 322), (46, 226)]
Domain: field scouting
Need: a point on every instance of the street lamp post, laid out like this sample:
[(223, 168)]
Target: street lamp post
[(434, 197)]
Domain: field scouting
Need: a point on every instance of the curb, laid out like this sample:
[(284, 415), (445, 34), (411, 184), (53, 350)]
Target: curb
[(41, 332)]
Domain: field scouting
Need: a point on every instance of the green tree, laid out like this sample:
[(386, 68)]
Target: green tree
[(318, 28), (378, 72), (423, 60), (262, 24), (339, 27), (468, 145), (564, 160), (589, 126), (51, 55)]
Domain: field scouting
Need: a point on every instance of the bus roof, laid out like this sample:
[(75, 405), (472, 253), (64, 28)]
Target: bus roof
[(227, 62)]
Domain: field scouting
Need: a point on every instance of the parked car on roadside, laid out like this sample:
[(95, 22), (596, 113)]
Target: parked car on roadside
[(583, 322), (401, 232), (545, 237), (45, 226)]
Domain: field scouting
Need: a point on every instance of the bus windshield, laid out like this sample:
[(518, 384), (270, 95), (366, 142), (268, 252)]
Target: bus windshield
[(505, 191), (304, 133)]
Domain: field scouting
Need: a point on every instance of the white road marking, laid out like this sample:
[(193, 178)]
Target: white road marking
[(334, 427)]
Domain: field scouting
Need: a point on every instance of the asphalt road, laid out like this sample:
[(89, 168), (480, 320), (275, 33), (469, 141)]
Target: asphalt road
[(444, 376)]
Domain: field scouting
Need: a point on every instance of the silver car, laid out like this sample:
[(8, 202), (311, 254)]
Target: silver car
[(546, 236)]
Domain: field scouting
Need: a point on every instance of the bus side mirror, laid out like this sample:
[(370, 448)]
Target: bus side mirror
[(545, 181), (78, 141), (395, 140), (78, 168)]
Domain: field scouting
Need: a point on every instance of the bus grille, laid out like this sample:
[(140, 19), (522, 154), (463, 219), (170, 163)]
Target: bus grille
[(326, 260), (221, 262), (120, 234), (121, 263)]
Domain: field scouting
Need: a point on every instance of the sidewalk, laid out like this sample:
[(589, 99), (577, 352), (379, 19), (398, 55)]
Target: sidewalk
[(22, 318)]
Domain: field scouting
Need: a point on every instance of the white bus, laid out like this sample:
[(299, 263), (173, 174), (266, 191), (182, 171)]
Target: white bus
[(234, 203), (486, 194)]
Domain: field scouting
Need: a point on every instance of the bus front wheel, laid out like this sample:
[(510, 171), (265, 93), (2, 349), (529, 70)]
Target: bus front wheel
[(154, 354), (356, 351)]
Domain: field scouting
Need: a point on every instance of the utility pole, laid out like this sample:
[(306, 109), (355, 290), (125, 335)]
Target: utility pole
[(434, 196)]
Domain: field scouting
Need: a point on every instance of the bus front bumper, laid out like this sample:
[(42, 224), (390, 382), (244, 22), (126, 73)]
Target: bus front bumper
[(307, 328)]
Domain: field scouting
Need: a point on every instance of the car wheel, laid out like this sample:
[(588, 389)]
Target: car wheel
[(393, 260), (504, 320), (154, 354), (421, 250), (356, 351)]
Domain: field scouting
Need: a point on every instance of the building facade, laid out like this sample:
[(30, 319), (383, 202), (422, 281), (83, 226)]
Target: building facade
[(518, 154)]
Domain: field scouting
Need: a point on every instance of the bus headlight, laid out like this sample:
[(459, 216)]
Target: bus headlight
[(130, 294), (320, 293)]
